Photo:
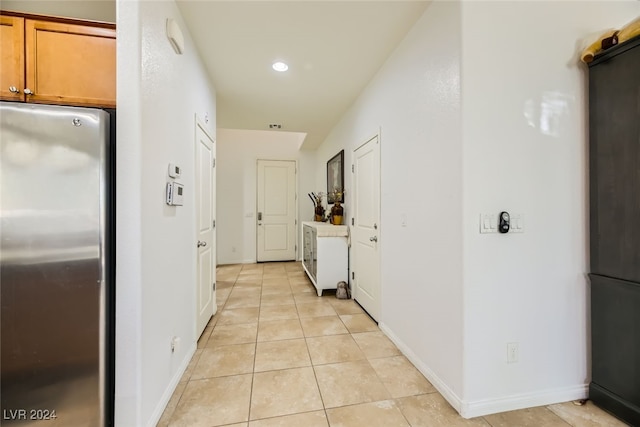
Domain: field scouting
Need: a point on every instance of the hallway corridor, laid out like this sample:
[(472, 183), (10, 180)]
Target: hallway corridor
[(277, 355)]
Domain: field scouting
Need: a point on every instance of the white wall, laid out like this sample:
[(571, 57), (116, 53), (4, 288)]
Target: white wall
[(415, 101), (159, 95), (525, 148), (482, 108), (238, 153), (128, 219), (94, 10)]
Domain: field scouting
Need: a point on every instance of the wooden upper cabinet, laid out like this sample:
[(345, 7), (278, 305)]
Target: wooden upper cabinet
[(11, 58), (70, 64)]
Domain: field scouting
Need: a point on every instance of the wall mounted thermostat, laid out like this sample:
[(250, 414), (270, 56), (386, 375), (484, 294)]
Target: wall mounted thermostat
[(175, 194), (174, 171), (504, 222)]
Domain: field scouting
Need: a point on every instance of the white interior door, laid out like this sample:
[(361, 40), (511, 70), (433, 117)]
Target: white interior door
[(276, 218), (366, 228), (205, 220)]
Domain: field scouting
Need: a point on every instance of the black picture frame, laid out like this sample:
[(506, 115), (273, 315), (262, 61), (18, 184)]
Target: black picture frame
[(335, 178)]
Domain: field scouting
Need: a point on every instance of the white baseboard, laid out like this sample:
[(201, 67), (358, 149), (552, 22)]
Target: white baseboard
[(166, 396), (235, 261), (478, 408), (440, 385)]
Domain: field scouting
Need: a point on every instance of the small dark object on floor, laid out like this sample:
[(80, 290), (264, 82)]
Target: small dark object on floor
[(580, 402), (342, 291)]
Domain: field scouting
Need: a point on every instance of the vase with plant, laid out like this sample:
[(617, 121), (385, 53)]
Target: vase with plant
[(337, 211), (318, 208)]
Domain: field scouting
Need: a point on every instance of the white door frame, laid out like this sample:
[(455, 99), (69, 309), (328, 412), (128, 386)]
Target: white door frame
[(377, 312), (201, 124)]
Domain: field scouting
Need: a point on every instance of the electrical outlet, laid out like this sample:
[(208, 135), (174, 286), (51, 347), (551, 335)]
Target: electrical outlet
[(512, 352)]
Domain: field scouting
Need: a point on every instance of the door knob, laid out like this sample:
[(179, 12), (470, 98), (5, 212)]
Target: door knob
[(201, 243), (373, 239), (14, 89), (28, 91)]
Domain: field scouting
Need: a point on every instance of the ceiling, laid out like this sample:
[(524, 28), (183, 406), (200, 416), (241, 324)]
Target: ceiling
[(333, 49), (94, 10)]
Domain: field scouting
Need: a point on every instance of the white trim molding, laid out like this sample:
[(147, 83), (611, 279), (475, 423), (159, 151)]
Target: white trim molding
[(514, 402), (478, 408), (166, 396), (440, 385)]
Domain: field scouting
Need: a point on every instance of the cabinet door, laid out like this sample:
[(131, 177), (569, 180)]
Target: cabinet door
[(314, 253), (614, 139), (615, 345), (12, 58), (70, 64), (306, 246)]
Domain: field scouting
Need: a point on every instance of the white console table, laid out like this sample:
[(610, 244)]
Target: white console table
[(325, 254)]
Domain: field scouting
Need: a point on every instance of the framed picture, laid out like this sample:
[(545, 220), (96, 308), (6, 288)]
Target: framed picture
[(335, 178)]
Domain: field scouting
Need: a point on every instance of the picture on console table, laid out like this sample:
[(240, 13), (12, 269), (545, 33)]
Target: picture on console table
[(335, 178)]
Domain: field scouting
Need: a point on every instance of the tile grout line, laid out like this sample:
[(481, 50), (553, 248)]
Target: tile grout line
[(315, 375), (189, 379), (256, 342), (303, 300), (255, 354)]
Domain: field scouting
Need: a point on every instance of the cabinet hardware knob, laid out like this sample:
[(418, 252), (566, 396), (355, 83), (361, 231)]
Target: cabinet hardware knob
[(373, 239), (14, 89), (28, 91), (201, 243)]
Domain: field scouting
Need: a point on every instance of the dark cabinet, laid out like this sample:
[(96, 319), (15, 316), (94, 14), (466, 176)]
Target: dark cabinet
[(615, 341), (614, 182)]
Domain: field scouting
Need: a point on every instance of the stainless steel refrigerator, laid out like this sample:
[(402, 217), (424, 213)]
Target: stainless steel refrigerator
[(56, 265)]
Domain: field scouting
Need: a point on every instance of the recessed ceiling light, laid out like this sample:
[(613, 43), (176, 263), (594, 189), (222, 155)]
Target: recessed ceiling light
[(280, 66)]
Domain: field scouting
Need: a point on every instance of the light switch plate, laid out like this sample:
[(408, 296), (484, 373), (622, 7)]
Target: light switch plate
[(517, 223), (489, 223), (494, 223), (485, 224)]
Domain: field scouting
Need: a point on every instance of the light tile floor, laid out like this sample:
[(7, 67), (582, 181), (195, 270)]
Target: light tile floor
[(277, 355)]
